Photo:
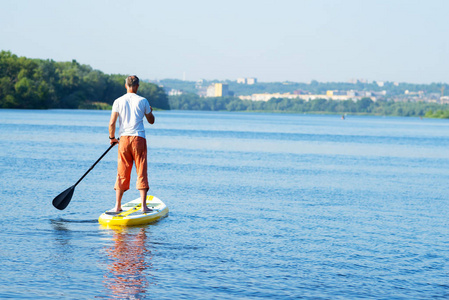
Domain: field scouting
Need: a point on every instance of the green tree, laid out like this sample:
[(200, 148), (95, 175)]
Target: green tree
[(364, 105), (35, 83)]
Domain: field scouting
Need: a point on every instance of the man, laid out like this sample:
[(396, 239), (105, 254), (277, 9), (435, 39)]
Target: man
[(130, 109)]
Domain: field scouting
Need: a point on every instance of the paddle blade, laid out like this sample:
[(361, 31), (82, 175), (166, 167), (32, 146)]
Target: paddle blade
[(62, 200)]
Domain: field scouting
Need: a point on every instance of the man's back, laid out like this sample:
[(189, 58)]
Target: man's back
[(131, 108)]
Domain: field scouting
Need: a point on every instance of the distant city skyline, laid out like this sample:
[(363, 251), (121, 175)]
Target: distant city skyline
[(273, 41)]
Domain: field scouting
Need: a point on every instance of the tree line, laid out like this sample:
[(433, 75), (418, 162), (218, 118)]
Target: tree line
[(363, 106), (42, 84)]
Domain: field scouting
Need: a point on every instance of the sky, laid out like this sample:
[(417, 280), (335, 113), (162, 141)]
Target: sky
[(281, 40)]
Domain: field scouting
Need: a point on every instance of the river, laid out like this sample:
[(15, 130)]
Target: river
[(279, 206)]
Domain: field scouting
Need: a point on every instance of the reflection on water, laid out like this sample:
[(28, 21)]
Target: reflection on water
[(62, 238), (128, 275), (63, 252)]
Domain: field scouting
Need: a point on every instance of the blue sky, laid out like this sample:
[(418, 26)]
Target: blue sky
[(324, 40)]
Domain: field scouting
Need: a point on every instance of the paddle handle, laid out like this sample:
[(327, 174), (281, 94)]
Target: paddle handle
[(90, 169)]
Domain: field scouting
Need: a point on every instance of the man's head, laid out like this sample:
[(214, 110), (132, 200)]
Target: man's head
[(132, 83), (132, 80)]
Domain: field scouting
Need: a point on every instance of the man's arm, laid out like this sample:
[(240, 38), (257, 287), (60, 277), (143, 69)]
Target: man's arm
[(150, 116), (112, 122)]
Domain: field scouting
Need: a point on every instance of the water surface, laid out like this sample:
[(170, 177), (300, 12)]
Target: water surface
[(261, 206)]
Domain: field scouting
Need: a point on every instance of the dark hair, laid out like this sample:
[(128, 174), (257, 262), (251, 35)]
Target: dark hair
[(132, 80)]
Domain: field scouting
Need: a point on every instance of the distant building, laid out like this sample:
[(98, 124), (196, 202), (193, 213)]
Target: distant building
[(251, 80), (419, 93), (174, 92), (221, 90), (217, 90), (351, 93), (330, 95), (380, 83), (355, 81), (199, 83), (444, 100), (300, 92), (210, 91), (381, 93)]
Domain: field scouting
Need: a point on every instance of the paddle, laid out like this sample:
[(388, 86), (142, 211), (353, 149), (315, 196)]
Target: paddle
[(62, 200)]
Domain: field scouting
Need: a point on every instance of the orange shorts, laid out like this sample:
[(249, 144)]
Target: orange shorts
[(132, 149)]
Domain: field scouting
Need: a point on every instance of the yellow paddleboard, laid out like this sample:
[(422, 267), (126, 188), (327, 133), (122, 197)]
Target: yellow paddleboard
[(132, 215)]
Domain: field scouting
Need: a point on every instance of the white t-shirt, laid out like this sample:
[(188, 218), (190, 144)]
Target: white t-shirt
[(131, 109)]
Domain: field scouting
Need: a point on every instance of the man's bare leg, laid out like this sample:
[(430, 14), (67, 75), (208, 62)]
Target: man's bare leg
[(118, 200), (143, 198)]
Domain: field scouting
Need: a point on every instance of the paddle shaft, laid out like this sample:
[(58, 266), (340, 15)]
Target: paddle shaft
[(62, 200), (90, 169)]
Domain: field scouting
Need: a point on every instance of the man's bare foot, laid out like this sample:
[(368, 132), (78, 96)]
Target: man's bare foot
[(146, 209), (117, 209)]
